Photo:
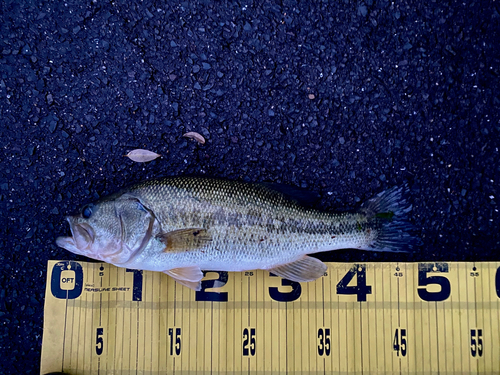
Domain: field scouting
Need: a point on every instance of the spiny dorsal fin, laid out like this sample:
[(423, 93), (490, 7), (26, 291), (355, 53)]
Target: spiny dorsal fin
[(305, 269), (184, 239)]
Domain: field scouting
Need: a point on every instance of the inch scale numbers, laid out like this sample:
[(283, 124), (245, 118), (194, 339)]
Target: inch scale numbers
[(374, 318)]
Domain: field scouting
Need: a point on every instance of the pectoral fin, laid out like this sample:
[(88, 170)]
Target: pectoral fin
[(185, 239), (305, 269), (187, 276)]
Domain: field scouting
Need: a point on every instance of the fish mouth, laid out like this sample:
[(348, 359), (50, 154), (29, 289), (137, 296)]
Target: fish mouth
[(81, 240)]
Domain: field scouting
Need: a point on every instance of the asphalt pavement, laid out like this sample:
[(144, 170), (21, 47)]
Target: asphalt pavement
[(344, 98)]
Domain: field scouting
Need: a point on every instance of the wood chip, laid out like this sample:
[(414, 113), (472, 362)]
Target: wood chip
[(193, 135), (142, 156)]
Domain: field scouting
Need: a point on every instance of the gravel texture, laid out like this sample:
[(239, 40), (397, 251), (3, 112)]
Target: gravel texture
[(346, 98)]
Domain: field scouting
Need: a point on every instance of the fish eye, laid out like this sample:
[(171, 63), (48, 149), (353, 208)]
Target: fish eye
[(87, 211)]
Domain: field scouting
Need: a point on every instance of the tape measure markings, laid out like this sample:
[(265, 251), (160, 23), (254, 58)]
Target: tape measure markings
[(334, 333), (468, 289)]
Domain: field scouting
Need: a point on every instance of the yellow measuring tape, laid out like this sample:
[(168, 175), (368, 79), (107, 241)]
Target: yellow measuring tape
[(372, 318)]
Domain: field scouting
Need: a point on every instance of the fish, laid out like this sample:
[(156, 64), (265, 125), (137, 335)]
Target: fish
[(184, 225)]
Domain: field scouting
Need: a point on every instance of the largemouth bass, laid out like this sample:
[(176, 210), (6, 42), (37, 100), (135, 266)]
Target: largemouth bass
[(183, 225)]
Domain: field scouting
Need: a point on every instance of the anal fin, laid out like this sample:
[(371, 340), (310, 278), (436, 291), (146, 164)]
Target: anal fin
[(304, 269)]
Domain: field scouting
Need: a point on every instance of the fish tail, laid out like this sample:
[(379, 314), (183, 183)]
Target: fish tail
[(388, 211)]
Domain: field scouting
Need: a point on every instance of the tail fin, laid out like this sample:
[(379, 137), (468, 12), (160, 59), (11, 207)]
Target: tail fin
[(389, 211)]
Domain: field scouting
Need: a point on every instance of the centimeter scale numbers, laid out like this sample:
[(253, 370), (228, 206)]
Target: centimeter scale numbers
[(412, 318)]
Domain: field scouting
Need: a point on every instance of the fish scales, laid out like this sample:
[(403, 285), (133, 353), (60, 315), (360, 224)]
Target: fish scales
[(182, 225), (269, 226)]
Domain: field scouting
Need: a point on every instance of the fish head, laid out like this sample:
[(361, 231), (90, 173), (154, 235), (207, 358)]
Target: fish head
[(113, 230)]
